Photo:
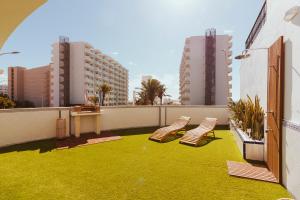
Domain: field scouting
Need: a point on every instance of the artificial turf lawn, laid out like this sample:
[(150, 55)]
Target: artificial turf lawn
[(131, 168)]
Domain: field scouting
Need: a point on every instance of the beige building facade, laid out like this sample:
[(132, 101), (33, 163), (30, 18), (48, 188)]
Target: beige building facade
[(205, 70), (29, 84)]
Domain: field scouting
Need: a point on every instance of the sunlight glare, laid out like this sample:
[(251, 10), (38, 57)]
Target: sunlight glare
[(180, 4)]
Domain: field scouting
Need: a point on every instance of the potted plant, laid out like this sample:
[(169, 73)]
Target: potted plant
[(95, 101), (76, 109), (61, 130), (247, 124)]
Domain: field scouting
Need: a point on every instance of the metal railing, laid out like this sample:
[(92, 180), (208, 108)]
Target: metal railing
[(260, 21)]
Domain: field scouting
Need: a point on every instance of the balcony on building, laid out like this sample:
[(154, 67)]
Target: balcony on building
[(229, 61), (187, 49), (88, 46), (187, 58), (230, 45), (229, 69), (229, 53)]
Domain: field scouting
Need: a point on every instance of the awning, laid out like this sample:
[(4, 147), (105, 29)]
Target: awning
[(12, 13)]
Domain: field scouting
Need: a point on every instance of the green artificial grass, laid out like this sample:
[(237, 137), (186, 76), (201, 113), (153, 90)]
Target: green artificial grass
[(131, 168)]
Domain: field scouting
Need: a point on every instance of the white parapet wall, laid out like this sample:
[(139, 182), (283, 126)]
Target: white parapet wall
[(25, 125), (114, 118), (290, 158), (197, 113), (125, 117)]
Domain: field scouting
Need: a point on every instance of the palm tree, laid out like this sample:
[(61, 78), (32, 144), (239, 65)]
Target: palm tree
[(94, 99), (161, 92), (104, 89), (150, 88), (142, 99)]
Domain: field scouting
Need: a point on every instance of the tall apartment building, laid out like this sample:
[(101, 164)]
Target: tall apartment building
[(77, 71), (205, 71), (29, 84)]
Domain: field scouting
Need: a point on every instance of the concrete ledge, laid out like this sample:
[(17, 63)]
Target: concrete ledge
[(33, 109), (114, 107), (166, 106)]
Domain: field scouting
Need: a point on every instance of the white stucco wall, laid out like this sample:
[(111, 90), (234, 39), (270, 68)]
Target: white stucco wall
[(291, 160), (197, 113), (26, 125), (114, 118), (253, 77)]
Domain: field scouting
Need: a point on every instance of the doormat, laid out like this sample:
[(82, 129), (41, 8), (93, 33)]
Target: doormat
[(86, 139), (250, 171)]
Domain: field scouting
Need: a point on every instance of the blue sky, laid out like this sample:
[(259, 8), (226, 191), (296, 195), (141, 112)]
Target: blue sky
[(145, 36)]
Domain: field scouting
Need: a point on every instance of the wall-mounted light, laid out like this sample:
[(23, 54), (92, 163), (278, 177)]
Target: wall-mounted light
[(13, 52), (245, 54), (291, 13), (242, 56)]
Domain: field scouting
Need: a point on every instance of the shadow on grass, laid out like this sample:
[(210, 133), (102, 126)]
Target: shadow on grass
[(43, 146), (218, 127), (174, 137), (48, 145), (136, 131), (86, 139), (149, 130)]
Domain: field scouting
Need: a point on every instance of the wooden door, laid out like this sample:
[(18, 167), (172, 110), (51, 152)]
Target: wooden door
[(275, 107)]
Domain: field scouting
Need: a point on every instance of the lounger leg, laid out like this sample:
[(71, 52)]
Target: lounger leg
[(214, 134)]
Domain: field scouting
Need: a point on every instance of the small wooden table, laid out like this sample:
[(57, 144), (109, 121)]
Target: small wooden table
[(78, 115)]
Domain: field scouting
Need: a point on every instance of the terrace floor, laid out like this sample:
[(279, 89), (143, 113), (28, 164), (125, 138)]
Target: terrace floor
[(130, 168)]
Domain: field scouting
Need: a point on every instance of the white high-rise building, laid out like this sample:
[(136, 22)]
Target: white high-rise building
[(77, 71), (205, 70)]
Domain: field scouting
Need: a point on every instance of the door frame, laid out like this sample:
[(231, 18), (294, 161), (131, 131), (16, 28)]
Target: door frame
[(280, 99)]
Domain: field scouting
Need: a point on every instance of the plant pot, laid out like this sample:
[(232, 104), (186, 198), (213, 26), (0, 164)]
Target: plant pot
[(76, 109), (97, 108), (61, 130), (250, 149)]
